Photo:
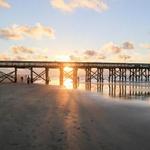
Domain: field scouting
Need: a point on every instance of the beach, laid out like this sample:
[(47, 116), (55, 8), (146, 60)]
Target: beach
[(43, 117)]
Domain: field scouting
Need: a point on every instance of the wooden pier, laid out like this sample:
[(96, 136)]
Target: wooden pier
[(98, 71)]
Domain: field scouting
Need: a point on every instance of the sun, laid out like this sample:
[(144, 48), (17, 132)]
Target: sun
[(68, 69), (68, 84)]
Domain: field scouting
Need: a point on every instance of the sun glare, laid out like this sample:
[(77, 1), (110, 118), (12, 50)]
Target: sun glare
[(68, 83), (67, 69)]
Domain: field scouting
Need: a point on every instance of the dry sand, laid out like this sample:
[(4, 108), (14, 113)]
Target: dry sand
[(38, 117)]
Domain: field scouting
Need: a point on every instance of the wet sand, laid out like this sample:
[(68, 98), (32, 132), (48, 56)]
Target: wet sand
[(39, 117)]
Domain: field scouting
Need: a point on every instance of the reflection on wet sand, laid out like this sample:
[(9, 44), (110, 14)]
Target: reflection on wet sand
[(125, 91)]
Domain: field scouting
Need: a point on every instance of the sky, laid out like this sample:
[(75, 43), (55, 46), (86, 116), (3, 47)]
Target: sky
[(75, 30)]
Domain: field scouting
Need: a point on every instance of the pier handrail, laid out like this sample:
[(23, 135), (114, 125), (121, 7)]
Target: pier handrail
[(57, 64)]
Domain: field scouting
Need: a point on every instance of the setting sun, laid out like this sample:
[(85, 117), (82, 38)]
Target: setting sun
[(68, 84), (67, 69)]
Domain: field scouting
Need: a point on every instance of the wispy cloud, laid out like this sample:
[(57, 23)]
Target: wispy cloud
[(145, 46), (22, 49), (111, 47), (71, 5), (93, 54), (29, 53), (18, 32), (128, 45), (88, 55), (124, 57), (75, 58), (4, 4), (4, 57), (28, 57)]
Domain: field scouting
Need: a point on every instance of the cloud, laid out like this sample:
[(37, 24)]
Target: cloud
[(4, 57), (19, 58), (71, 5), (145, 46), (28, 57), (22, 49), (111, 47), (74, 58), (18, 32), (90, 53), (124, 57), (128, 45), (101, 57), (26, 53), (41, 57), (4, 4)]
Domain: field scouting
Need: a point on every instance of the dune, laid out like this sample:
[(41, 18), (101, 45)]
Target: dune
[(40, 117)]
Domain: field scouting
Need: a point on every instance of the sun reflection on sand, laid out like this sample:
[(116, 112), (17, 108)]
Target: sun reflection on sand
[(69, 108)]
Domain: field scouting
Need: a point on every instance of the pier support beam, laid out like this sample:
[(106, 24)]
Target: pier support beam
[(61, 76), (100, 79), (88, 78), (44, 75), (15, 75), (149, 74), (117, 74), (31, 74), (11, 76), (72, 74), (47, 75), (97, 75), (75, 78)]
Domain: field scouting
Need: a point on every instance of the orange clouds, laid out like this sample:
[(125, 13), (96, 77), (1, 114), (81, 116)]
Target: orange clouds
[(22, 49), (97, 5), (4, 57), (17, 32), (111, 47), (4, 4), (88, 55), (124, 57), (115, 49), (145, 46)]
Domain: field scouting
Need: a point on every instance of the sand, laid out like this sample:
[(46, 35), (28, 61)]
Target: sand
[(40, 117)]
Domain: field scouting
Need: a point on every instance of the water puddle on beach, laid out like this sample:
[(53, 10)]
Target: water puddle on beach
[(124, 91)]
